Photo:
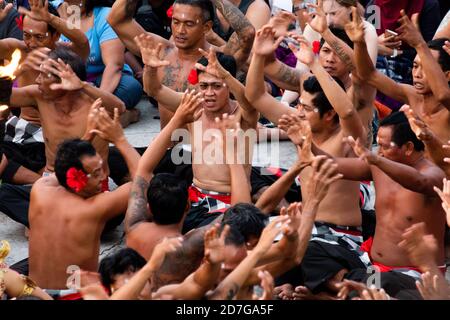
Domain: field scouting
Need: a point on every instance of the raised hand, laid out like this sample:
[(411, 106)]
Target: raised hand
[(294, 213), (69, 80), (421, 248), (355, 28), (91, 122), (150, 51), (418, 126), (215, 244), (39, 10), (362, 152), (432, 289), (107, 128), (324, 174), (305, 53), (270, 232), (409, 30), (265, 41), (34, 60), (444, 194), (167, 245), (4, 12), (190, 109), (267, 284), (214, 67), (317, 19), (280, 23)]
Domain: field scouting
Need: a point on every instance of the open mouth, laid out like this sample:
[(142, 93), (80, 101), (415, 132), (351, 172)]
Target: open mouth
[(418, 85)]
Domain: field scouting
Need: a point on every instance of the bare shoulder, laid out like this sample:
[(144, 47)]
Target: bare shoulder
[(258, 6)]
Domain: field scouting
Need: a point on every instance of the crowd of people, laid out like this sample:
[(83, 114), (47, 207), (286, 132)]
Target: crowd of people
[(362, 94)]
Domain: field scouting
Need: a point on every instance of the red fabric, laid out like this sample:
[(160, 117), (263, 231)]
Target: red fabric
[(390, 12), (275, 171), (72, 296), (19, 22), (383, 111), (367, 247), (193, 77), (105, 185), (195, 195)]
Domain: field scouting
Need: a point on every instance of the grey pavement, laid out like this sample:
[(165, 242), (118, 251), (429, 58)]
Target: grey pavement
[(139, 134)]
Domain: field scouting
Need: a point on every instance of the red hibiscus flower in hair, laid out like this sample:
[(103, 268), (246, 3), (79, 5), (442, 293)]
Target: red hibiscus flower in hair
[(19, 22), (316, 47), (169, 12), (76, 179), (193, 77)]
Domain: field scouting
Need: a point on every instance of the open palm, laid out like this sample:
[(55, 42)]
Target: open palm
[(355, 28), (265, 41)]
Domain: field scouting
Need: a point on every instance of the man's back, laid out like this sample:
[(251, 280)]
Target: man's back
[(63, 232)]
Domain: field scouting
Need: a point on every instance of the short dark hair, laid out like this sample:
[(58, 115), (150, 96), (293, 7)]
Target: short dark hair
[(444, 57), (52, 10), (206, 6), (234, 237), (401, 130), (69, 57), (120, 262), (68, 155), (341, 34), (226, 61), (247, 219), (167, 198), (312, 85)]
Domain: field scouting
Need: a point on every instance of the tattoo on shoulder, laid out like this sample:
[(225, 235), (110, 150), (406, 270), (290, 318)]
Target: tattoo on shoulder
[(138, 201)]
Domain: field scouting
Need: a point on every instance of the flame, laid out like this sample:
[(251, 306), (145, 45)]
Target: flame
[(9, 69)]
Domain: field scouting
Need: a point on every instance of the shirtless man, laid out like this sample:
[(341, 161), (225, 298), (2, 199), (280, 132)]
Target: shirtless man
[(73, 201), (404, 181), (191, 21), (429, 97), (215, 85), (64, 102), (328, 111)]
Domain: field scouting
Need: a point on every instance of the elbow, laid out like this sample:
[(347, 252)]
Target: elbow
[(112, 20), (348, 113)]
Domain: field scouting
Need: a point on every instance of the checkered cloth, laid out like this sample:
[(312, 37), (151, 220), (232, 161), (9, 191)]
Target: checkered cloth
[(212, 200), (22, 132)]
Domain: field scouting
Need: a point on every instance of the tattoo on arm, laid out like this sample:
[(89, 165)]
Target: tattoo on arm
[(288, 75), (138, 201), (232, 291), (338, 48)]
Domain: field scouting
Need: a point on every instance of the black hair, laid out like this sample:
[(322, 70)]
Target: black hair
[(444, 57), (401, 130), (69, 57), (226, 61), (120, 262), (312, 85), (91, 4), (206, 6), (52, 10), (234, 237), (247, 219), (341, 34), (167, 198), (68, 155)]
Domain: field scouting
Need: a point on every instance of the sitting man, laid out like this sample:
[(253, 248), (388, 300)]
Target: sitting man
[(73, 201), (210, 192), (64, 101)]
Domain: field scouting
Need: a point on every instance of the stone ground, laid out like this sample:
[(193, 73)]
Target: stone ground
[(139, 135)]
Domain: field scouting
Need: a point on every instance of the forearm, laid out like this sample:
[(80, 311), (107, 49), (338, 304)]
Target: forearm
[(110, 101), (270, 198), (341, 48), (130, 155), (205, 277), (407, 176), (255, 87), (132, 289), (153, 87), (111, 77), (238, 91), (240, 187), (364, 66), (122, 11), (283, 76), (437, 79), (137, 203), (80, 43), (305, 230)]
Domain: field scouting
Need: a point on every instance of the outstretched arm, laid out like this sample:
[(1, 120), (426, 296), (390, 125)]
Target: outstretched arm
[(121, 20), (410, 33), (240, 43), (8, 45)]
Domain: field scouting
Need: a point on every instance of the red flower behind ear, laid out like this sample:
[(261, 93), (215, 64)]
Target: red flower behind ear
[(76, 179), (169, 12), (193, 77), (316, 47), (19, 22)]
